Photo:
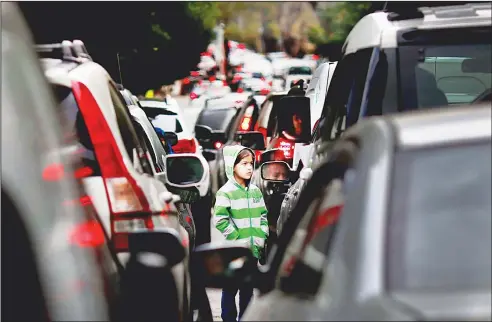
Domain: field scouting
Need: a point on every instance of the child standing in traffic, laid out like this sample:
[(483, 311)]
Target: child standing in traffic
[(240, 214)]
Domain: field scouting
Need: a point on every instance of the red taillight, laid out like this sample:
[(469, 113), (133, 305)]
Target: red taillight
[(315, 57), (218, 145), (193, 96), (186, 81), (265, 91), (241, 46), (206, 54), (89, 234), (287, 147), (258, 155), (212, 78), (225, 83), (246, 122), (194, 73), (240, 90), (83, 172), (123, 193), (54, 172), (270, 83), (185, 146), (239, 68)]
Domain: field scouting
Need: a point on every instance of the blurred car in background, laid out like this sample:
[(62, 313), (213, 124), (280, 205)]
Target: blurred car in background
[(54, 245)]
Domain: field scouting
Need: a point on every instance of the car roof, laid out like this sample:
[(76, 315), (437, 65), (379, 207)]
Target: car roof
[(376, 30), (442, 126), (156, 103)]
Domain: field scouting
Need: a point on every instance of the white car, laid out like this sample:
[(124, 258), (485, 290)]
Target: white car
[(117, 176), (169, 118), (318, 88), (296, 73)]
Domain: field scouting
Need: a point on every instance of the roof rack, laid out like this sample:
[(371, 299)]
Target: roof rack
[(66, 50)]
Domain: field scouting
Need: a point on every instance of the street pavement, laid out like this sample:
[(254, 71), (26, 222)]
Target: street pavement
[(190, 114)]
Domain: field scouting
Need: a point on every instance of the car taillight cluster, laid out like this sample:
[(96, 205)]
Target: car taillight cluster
[(126, 199), (246, 121), (287, 147), (193, 96), (185, 146)]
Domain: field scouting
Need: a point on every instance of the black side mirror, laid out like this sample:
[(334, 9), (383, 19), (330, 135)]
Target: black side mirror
[(295, 118), (275, 171), (253, 140), (203, 132), (168, 137), (224, 265), (184, 170), (164, 242)]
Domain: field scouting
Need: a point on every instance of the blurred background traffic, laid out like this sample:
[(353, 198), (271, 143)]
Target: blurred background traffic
[(371, 128)]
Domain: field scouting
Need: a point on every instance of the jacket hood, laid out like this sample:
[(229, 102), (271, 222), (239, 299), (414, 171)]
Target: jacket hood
[(230, 154)]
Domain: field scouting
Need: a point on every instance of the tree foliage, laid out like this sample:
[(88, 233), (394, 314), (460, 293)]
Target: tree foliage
[(157, 42), (342, 17)]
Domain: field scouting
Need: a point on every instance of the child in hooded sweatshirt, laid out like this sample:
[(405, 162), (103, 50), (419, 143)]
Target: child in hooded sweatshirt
[(240, 214)]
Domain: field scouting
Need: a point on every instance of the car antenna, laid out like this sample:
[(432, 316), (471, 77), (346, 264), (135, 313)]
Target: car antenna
[(119, 67)]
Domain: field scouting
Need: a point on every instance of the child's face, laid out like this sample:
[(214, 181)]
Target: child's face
[(244, 169)]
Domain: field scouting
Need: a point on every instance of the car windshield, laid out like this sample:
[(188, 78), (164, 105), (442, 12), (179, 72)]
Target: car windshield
[(440, 220), (217, 119), (302, 70)]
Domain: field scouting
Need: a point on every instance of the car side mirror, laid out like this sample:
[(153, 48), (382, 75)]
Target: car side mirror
[(160, 247), (203, 132), (253, 140), (168, 137), (184, 170), (275, 171), (224, 264)]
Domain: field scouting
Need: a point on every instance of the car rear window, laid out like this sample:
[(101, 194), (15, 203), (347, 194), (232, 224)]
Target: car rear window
[(74, 127), (440, 220), (217, 119), (153, 112)]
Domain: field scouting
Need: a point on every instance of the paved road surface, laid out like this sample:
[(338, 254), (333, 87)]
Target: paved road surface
[(190, 114)]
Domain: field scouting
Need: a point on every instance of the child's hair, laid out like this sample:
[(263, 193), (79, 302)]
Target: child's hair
[(243, 154)]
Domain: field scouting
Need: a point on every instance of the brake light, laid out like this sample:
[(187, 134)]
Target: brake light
[(193, 95), (186, 81), (218, 145), (83, 172), (123, 193), (89, 234), (212, 78), (241, 46), (194, 73), (240, 90), (258, 155), (185, 146), (54, 172), (239, 68), (265, 91), (225, 83), (287, 147), (315, 57)]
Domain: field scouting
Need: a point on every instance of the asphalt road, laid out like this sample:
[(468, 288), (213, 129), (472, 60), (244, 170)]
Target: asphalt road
[(190, 114)]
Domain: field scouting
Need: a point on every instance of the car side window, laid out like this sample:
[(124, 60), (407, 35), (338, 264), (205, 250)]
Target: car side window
[(344, 98), (144, 141), (128, 134)]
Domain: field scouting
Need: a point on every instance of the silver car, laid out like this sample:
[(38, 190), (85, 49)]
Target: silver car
[(397, 225), (52, 271)]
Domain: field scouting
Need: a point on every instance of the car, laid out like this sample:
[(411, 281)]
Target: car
[(407, 185), (156, 146), (430, 72), (265, 122), (170, 119), (44, 213), (119, 177), (318, 88)]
